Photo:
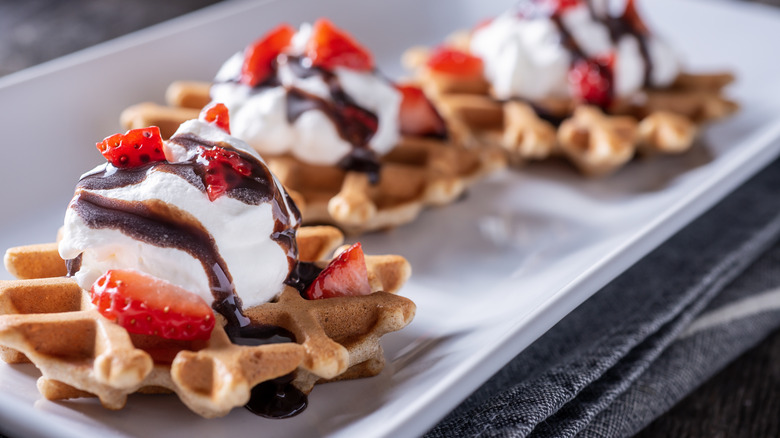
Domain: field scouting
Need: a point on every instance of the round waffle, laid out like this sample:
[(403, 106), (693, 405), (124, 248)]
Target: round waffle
[(47, 319), (417, 173), (657, 121)]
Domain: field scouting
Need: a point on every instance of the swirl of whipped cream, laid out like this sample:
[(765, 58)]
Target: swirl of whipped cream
[(159, 220), (262, 116), (525, 57)]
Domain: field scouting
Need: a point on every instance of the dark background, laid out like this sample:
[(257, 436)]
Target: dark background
[(741, 401)]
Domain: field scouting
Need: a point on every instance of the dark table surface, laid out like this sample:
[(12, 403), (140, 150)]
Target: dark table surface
[(738, 402)]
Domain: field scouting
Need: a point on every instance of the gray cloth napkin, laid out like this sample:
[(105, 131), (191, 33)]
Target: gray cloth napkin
[(648, 338)]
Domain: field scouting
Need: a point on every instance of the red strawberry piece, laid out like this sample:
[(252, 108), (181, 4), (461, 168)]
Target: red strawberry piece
[(418, 116), (134, 148), (216, 113), (592, 80), (259, 57), (224, 170), (631, 16), (560, 6), (147, 305), (346, 275), (331, 47), (455, 62)]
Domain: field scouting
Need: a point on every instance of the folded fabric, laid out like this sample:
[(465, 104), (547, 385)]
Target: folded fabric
[(648, 338)]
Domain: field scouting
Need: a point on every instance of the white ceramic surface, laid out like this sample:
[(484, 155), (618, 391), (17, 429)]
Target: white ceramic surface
[(491, 273)]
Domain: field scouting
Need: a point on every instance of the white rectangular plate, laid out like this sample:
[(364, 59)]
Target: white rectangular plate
[(491, 273)]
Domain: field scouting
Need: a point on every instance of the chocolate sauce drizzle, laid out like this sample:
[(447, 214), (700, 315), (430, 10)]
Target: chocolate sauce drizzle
[(622, 26), (567, 40), (255, 189), (355, 124), (160, 224), (618, 27), (302, 276)]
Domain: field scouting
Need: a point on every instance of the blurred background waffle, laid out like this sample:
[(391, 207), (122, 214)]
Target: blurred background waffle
[(418, 172), (596, 141)]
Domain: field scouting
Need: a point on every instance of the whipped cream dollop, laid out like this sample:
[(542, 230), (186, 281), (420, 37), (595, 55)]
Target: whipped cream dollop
[(160, 220), (527, 52), (265, 118)]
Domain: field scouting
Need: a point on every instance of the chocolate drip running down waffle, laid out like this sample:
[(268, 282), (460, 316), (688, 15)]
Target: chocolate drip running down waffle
[(417, 173), (656, 121), (48, 320)]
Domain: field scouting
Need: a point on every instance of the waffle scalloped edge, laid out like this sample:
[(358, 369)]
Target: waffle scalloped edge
[(49, 321), (419, 172)]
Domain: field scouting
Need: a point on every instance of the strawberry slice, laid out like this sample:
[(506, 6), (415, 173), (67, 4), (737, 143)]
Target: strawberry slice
[(259, 57), (216, 113), (418, 116), (592, 80), (331, 47), (346, 275), (134, 148), (455, 62), (147, 305), (550, 7), (224, 170), (560, 6)]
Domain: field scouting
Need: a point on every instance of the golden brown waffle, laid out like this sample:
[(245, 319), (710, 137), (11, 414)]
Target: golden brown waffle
[(50, 321), (418, 172), (654, 122)]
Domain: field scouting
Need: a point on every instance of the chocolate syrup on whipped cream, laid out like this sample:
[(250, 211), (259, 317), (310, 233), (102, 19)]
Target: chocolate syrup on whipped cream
[(623, 25), (354, 124), (160, 224), (618, 27), (567, 40)]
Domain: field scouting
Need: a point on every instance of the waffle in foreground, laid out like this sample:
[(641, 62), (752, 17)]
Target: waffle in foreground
[(50, 321)]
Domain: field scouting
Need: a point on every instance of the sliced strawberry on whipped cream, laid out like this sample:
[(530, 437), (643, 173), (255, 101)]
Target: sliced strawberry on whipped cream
[(331, 47), (224, 170), (313, 90), (531, 52), (591, 80), (136, 147), (147, 305), (418, 115), (216, 113), (346, 275), (455, 62), (260, 55)]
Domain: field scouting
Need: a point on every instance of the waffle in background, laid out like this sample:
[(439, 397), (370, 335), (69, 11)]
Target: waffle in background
[(417, 173), (597, 143)]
